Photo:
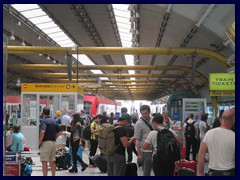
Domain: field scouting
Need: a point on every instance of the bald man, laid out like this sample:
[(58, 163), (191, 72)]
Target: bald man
[(220, 144)]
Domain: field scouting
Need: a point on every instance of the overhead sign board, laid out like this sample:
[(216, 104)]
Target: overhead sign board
[(222, 81), (48, 87), (222, 93)]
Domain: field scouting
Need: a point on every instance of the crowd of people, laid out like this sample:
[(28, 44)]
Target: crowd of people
[(138, 136)]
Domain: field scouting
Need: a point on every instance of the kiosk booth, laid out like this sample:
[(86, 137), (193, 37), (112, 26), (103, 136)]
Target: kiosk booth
[(36, 96)]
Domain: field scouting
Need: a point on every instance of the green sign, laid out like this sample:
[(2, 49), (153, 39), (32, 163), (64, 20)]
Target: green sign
[(222, 81)]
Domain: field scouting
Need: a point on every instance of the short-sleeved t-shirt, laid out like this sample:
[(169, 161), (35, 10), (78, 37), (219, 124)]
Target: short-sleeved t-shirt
[(18, 142), (51, 129), (152, 138), (118, 133)]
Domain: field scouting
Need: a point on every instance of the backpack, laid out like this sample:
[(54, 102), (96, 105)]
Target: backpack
[(106, 139), (57, 120), (190, 130), (87, 132), (26, 169), (130, 130), (86, 119), (167, 147)]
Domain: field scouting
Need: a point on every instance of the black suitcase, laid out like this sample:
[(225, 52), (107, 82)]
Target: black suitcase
[(63, 161), (101, 162), (131, 169)]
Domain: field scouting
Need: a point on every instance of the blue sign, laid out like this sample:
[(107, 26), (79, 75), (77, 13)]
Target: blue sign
[(88, 113), (176, 116), (11, 158), (117, 115)]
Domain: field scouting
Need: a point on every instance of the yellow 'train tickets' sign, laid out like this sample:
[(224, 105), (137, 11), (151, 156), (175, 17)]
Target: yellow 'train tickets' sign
[(47, 87), (222, 81)]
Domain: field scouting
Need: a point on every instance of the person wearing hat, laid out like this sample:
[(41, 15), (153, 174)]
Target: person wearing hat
[(116, 161), (58, 118)]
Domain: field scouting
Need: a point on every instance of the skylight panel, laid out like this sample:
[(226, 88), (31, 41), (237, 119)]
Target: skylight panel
[(59, 34), (123, 30), (38, 20), (33, 13), (64, 42), (131, 72), (122, 16), (68, 44), (41, 20), (24, 7), (103, 78), (46, 25), (129, 59), (96, 71), (52, 30)]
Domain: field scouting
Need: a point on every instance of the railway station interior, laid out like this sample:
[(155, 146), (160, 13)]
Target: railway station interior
[(175, 58)]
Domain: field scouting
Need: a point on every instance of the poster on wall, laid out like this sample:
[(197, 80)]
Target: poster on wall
[(65, 106)]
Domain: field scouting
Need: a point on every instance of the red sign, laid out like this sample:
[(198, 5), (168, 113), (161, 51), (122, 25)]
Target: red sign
[(11, 169), (25, 86)]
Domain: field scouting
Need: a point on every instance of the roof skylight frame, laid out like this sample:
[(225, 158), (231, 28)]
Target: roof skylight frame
[(46, 24), (122, 15)]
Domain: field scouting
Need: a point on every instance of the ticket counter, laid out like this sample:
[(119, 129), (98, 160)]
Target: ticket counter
[(36, 96)]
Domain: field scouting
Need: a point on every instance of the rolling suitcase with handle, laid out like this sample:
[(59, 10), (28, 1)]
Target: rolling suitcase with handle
[(131, 169), (185, 168), (100, 161)]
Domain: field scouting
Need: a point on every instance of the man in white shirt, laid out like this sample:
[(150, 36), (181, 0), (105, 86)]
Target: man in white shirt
[(162, 168), (167, 121), (220, 144), (66, 121)]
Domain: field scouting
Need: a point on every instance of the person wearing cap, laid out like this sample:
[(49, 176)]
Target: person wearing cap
[(58, 118), (117, 161)]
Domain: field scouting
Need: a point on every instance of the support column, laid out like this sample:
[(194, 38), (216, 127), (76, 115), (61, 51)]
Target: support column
[(214, 105)]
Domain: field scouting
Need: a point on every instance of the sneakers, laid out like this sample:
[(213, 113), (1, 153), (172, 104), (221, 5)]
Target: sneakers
[(84, 167)]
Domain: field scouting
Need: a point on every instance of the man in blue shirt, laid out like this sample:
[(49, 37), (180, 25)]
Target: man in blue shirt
[(49, 131)]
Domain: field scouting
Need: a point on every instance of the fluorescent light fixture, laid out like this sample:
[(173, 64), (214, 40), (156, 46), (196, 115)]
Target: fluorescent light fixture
[(23, 43), (12, 37), (19, 23)]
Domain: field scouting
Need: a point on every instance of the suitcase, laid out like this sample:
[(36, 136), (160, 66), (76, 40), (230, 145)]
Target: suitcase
[(79, 153), (63, 161), (183, 152), (131, 169), (185, 168), (101, 162)]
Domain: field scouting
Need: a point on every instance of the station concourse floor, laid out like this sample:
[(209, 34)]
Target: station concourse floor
[(37, 167)]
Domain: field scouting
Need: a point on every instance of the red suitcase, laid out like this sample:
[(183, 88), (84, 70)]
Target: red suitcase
[(183, 152), (185, 164)]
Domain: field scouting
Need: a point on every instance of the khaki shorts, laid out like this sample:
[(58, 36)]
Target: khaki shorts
[(48, 151)]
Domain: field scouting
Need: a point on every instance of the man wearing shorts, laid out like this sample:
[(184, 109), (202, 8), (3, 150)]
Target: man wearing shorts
[(49, 131)]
